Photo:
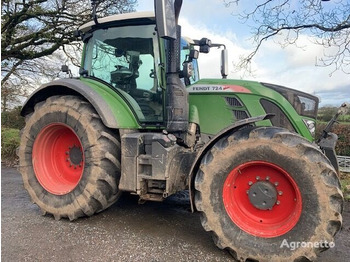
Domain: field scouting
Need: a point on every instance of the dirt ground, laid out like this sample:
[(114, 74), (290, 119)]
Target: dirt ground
[(125, 232)]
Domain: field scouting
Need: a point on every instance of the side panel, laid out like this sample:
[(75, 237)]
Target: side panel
[(214, 114), (113, 110)]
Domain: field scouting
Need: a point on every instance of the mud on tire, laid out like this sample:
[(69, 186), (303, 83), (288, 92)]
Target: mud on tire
[(69, 161), (262, 157)]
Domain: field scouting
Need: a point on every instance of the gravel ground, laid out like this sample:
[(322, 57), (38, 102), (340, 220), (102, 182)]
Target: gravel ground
[(125, 232)]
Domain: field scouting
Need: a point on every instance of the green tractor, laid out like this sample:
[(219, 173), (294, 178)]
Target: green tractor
[(139, 119)]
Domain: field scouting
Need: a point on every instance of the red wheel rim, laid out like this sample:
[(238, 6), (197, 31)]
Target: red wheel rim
[(282, 216), (58, 159)]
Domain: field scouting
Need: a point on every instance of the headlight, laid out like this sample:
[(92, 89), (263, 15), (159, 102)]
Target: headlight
[(311, 125)]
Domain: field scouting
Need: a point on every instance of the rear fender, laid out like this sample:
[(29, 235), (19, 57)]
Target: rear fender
[(113, 110), (236, 126)]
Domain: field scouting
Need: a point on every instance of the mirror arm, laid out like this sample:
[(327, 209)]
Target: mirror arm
[(218, 45)]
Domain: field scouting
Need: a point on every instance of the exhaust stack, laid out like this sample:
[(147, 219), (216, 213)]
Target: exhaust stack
[(177, 105)]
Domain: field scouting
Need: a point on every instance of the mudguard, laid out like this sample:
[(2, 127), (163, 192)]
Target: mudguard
[(113, 110), (237, 125)]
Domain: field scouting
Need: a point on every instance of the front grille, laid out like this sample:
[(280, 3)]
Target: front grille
[(233, 101), (238, 113), (280, 119)]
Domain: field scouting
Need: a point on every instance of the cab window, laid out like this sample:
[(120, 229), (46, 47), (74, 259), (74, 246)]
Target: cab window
[(124, 57)]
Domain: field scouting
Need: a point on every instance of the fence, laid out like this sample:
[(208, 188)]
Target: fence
[(344, 163)]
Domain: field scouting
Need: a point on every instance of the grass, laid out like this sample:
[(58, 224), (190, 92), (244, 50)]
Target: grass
[(9, 143), (338, 123)]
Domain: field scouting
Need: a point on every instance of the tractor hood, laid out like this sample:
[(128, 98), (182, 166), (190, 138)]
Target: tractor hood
[(221, 102), (305, 104)]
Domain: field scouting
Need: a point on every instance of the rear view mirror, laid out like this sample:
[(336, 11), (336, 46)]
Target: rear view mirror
[(165, 18)]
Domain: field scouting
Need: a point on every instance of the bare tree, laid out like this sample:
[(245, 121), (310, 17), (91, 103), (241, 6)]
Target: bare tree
[(327, 23), (36, 33)]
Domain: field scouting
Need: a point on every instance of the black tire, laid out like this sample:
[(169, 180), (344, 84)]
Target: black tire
[(322, 201), (97, 187)]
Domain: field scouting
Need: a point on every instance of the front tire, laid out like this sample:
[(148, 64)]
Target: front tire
[(69, 161), (261, 187)]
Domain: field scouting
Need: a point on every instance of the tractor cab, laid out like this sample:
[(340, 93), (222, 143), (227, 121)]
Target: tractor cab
[(125, 53), (126, 56)]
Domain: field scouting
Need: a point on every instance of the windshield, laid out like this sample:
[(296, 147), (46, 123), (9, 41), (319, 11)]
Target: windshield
[(125, 58)]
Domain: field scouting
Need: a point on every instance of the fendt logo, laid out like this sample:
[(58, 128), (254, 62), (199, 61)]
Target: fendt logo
[(218, 88)]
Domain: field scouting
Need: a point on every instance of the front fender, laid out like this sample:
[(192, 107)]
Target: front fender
[(237, 125), (113, 110)]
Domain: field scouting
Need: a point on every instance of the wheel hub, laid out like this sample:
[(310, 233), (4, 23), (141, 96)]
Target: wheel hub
[(262, 199), (262, 195), (75, 155)]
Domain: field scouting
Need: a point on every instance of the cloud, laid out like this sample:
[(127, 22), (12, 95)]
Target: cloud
[(210, 63), (335, 96)]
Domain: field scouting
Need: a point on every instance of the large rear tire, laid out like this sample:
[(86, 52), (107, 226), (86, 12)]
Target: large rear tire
[(69, 161), (269, 195)]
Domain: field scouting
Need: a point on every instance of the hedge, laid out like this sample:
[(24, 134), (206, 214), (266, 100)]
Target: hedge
[(343, 131)]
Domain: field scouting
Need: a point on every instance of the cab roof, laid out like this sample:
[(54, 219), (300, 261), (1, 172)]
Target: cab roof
[(122, 19)]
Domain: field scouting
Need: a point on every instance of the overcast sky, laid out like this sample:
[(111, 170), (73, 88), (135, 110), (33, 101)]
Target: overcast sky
[(292, 67)]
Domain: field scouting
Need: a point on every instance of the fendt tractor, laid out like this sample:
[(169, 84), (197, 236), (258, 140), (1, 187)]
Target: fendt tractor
[(139, 119)]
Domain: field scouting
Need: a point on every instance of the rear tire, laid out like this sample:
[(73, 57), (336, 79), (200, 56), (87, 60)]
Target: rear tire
[(306, 203), (69, 161)]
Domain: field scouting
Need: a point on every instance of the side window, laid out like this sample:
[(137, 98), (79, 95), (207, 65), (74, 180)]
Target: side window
[(147, 76), (103, 61)]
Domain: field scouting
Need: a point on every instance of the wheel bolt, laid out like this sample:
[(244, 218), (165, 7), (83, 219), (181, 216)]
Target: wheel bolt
[(280, 193), (247, 192), (278, 202), (276, 183), (257, 178), (250, 183), (267, 178), (67, 152)]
